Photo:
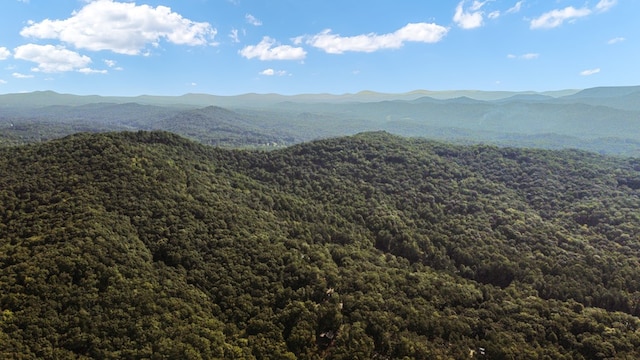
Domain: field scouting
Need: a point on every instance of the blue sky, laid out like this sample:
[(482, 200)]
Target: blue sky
[(228, 47)]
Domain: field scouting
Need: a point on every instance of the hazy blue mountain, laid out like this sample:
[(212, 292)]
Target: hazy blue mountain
[(618, 98), (604, 92), (527, 98), (592, 118), (47, 98)]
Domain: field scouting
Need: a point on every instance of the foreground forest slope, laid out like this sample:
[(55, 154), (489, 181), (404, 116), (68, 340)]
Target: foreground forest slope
[(147, 245)]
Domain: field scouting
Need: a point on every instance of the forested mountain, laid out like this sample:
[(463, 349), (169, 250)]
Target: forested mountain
[(603, 120), (148, 245)]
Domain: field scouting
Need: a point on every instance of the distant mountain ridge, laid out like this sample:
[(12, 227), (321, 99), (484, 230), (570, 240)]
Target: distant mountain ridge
[(605, 91), (46, 98), (603, 119)]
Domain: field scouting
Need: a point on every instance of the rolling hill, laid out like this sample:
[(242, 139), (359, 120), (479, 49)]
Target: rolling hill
[(148, 245)]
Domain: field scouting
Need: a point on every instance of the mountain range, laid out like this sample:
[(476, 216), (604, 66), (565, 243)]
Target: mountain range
[(600, 119)]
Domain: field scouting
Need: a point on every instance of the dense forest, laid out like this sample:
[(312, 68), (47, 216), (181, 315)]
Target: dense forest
[(148, 245)]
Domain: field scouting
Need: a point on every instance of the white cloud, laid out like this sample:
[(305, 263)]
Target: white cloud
[(4, 53), (477, 5), (466, 19), (494, 14), (3, 81), (18, 75), (92, 71), (589, 72), (234, 36), (527, 56), (24, 1), (252, 20), (604, 5), (415, 32), (124, 28), (271, 72), (52, 58), (515, 8), (112, 64), (555, 18), (616, 40), (266, 50)]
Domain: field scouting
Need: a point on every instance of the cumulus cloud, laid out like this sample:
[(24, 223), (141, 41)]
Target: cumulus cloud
[(557, 17), (3, 81), (51, 58), (272, 72), (266, 50), (494, 14), (252, 20), (124, 28), (589, 72), (469, 18), (4, 53), (615, 40), (605, 5), (413, 32)]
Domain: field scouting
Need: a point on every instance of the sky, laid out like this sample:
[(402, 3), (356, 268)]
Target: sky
[(230, 47)]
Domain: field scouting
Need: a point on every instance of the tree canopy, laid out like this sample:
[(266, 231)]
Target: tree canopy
[(148, 245)]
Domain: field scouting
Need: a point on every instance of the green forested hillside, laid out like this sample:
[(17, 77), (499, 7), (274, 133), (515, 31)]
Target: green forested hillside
[(147, 245)]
